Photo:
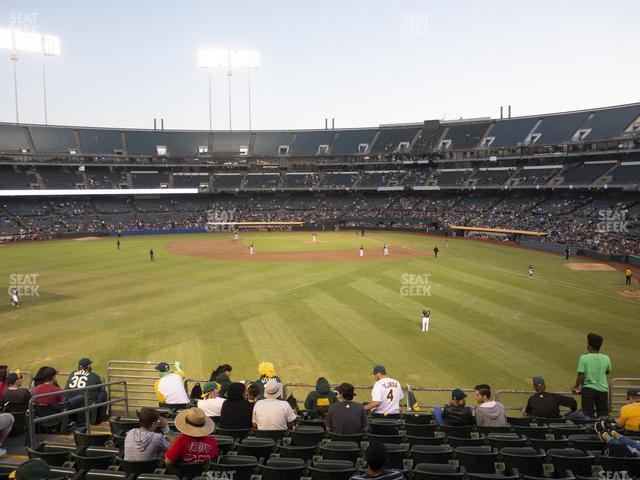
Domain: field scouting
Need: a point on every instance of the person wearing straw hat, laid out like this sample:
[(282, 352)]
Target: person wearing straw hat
[(194, 445), (211, 403), (271, 413)]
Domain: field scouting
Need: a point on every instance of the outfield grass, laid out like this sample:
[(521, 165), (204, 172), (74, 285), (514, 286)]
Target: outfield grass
[(490, 321)]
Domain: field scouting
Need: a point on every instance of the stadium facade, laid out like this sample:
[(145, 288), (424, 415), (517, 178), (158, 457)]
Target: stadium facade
[(574, 176)]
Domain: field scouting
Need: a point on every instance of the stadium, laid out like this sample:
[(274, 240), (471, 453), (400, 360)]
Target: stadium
[(440, 260)]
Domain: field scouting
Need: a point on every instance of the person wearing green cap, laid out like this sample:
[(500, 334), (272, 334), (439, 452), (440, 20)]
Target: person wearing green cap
[(169, 388), (211, 402)]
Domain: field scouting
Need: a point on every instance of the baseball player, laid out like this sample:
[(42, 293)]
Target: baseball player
[(435, 251), (426, 314), (151, 258), (15, 302), (235, 235), (251, 250), (385, 250), (314, 237), (530, 271), (361, 251)]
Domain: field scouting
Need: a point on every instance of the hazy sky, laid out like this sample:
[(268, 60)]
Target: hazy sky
[(363, 62)]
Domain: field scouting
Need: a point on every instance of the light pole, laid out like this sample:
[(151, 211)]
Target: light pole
[(228, 61), (29, 42)]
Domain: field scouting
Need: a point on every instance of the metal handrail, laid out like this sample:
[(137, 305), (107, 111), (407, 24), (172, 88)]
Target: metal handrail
[(86, 408)]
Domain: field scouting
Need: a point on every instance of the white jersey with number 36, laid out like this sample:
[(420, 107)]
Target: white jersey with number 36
[(388, 392)]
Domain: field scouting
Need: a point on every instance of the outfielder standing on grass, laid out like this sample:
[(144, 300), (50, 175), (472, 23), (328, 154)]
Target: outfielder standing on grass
[(251, 250), (151, 255), (15, 302), (426, 315), (435, 251), (361, 251), (385, 250), (627, 275)]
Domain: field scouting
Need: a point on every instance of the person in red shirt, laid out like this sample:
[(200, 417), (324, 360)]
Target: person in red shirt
[(194, 445), (4, 369), (49, 386)]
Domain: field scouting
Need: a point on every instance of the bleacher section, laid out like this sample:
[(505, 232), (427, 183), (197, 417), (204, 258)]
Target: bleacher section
[(491, 176), (100, 142), (150, 179), (452, 178), (609, 122), (557, 129), (586, 173), (390, 138), (347, 142), (14, 178), (429, 137), (262, 180), (510, 132), (308, 143), (227, 181), (104, 177), (145, 143), (465, 136), (269, 143), (61, 178), (626, 174), (187, 143), (339, 179), (300, 180), (230, 142), (190, 180), (380, 179), (53, 139), (12, 138), (536, 176)]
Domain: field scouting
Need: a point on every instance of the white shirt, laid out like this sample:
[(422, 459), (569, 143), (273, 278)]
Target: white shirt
[(388, 392), (211, 406), (172, 389), (272, 414)]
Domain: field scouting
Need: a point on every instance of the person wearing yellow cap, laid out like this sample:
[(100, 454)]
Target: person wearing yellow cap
[(211, 403), (267, 371)]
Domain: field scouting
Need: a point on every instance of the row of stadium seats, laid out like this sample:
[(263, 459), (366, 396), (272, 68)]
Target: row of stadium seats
[(52, 177)]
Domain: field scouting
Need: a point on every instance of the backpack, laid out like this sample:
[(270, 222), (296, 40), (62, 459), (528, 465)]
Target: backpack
[(196, 392)]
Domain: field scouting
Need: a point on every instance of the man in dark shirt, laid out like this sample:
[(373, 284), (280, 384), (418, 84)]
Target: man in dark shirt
[(346, 417), (15, 393), (546, 404), (376, 457)]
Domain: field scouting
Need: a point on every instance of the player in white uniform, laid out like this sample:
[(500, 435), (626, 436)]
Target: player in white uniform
[(386, 394), (15, 302), (530, 270), (251, 250), (314, 237), (236, 236), (361, 251), (385, 250), (426, 315)]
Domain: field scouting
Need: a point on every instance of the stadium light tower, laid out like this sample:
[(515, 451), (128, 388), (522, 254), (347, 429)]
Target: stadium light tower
[(228, 61), (19, 41)]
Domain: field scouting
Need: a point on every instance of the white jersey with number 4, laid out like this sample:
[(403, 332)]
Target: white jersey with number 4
[(388, 392)]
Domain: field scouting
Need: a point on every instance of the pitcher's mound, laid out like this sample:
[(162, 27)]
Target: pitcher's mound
[(592, 267), (629, 294), (237, 250)]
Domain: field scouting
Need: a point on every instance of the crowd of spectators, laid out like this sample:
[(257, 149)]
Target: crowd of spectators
[(609, 225)]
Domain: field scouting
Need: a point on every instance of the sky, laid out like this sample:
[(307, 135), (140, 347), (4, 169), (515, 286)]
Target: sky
[(364, 63)]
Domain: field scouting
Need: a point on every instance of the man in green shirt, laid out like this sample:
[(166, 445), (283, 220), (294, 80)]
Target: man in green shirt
[(84, 377), (591, 381)]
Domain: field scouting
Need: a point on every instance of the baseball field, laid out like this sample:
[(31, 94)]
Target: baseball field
[(316, 308)]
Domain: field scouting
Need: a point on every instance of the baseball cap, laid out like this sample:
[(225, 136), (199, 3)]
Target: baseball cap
[(12, 378), (210, 387), (346, 390), (457, 394), (163, 367), (632, 392), (49, 373), (379, 369), (84, 362), (34, 469), (538, 381)]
